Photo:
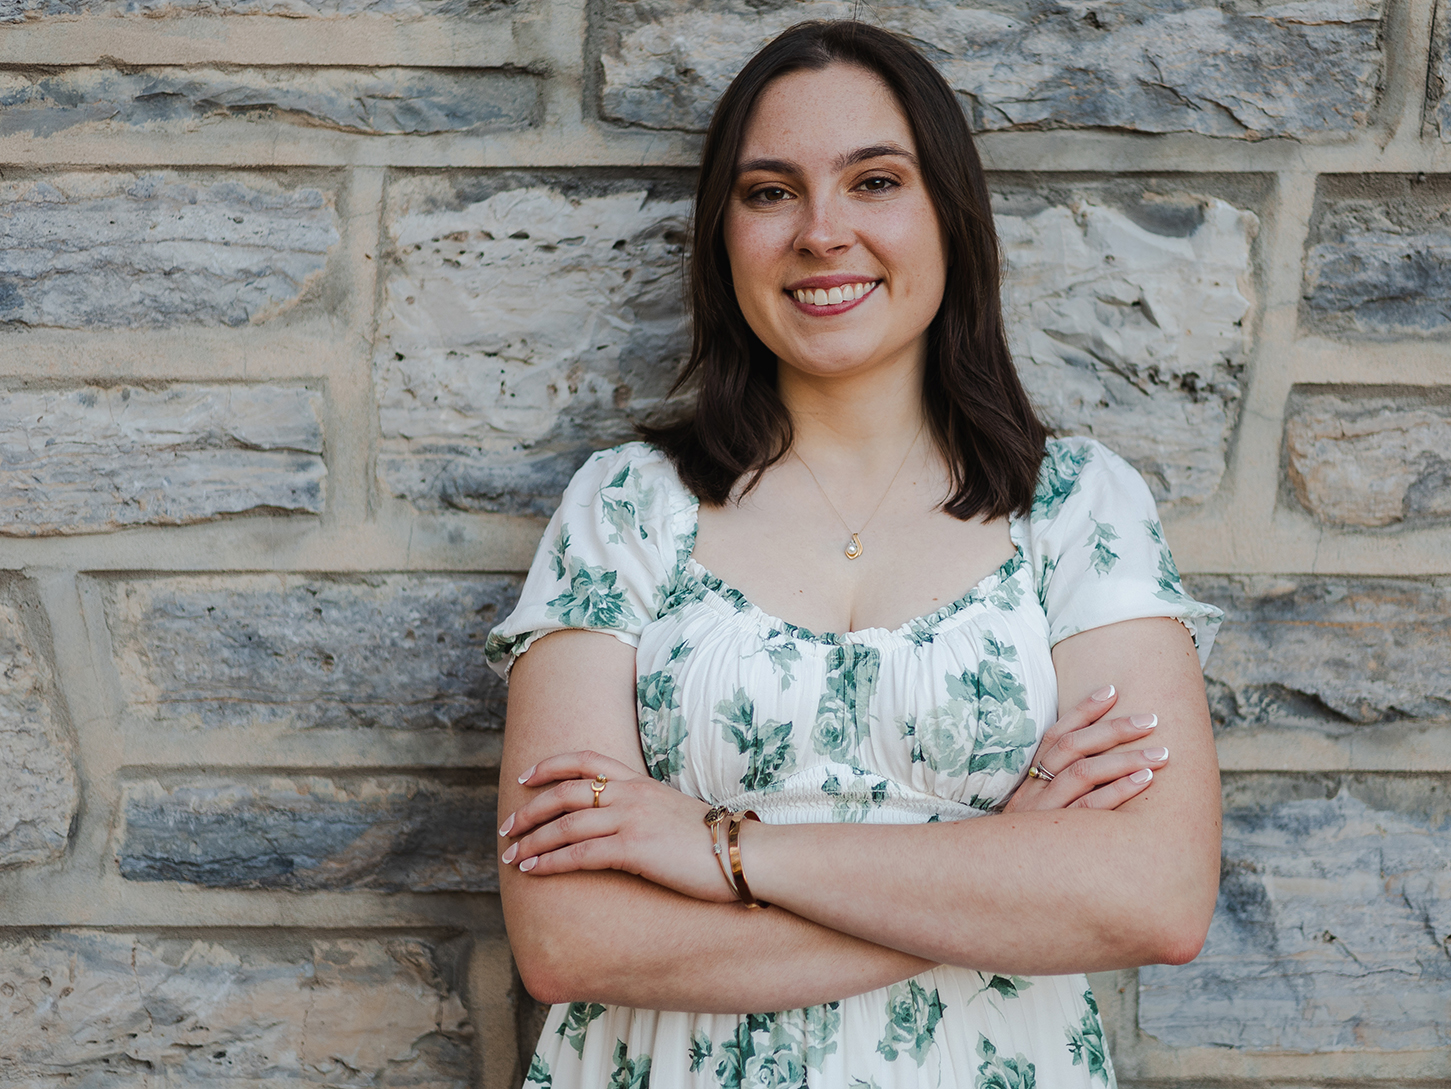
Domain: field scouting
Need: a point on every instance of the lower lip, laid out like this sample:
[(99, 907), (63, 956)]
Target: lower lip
[(830, 308)]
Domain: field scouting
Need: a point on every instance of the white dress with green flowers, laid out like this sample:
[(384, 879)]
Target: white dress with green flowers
[(935, 720)]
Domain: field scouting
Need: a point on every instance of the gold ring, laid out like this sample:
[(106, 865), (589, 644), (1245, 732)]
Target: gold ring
[(1038, 771), (598, 786)]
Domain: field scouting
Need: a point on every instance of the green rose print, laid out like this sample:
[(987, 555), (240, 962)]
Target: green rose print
[(539, 1074), (1007, 595), (823, 1023), (1086, 1042), (912, 1019), (662, 724), (1170, 588), (700, 1050), (781, 651), (1057, 477), (843, 716), (559, 553), (1005, 732), (576, 1023), (1006, 986), (854, 801), (762, 1055), (622, 510), (592, 601), (999, 1072), (766, 745), (629, 1073), (1103, 557)]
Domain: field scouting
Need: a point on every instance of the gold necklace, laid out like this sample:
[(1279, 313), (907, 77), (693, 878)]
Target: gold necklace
[(854, 546)]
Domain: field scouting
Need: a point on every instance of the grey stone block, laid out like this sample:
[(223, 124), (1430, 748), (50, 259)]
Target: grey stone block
[(108, 250), (1328, 653), (1125, 311), (1378, 258), (391, 833), (526, 321), (1370, 456), (402, 652), (39, 791), (1438, 79), (93, 459), (367, 100), (1333, 924), (267, 1009), (1223, 70)]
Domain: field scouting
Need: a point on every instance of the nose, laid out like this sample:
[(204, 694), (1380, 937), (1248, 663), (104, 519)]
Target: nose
[(826, 228)]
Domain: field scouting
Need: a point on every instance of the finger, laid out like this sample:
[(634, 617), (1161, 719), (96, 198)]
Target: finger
[(584, 764), (599, 853), (1084, 776), (573, 827), (559, 799), (1099, 737), (1088, 710), (1114, 794)]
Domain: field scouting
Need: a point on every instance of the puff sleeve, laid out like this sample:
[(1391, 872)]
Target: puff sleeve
[(1098, 550), (606, 559)]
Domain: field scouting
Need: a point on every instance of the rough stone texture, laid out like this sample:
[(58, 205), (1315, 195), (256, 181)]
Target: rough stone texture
[(107, 250), (1126, 322), (1137, 65), (525, 322), (389, 833), (1333, 928), (14, 11), (1328, 653), (1378, 258), (93, 459), (385, 651), (1438, 78), (89, 1007), (367, 100), (39, 792), (1368, 457)]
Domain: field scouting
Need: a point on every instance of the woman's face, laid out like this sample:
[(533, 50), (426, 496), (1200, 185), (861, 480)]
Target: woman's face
[(835, 249)]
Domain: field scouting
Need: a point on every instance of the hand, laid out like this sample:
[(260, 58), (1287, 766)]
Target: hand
[(1086, 774), (641, 826)]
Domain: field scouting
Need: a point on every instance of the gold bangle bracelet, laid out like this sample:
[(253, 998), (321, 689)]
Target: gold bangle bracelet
[(743, 890), (715, 816)]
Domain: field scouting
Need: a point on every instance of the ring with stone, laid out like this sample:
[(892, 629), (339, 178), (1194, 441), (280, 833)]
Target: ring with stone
[(598, 786), (1038, 771)]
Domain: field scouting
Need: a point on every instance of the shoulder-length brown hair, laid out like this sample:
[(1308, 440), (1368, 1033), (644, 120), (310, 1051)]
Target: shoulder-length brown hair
[(976, 408)]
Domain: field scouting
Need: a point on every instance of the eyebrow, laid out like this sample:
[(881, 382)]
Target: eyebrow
[(850, 158)]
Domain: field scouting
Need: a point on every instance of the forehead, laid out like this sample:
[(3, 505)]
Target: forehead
[(808, 116)]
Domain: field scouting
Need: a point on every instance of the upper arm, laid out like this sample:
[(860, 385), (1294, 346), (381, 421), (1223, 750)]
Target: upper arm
[(1154, 665)]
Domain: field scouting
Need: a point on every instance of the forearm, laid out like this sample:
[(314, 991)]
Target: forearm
[(1028, 894), (616, 938)]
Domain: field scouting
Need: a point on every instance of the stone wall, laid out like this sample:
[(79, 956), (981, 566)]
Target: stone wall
[(308, 309)]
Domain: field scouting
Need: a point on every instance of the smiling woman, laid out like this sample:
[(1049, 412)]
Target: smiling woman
[(856, 641)]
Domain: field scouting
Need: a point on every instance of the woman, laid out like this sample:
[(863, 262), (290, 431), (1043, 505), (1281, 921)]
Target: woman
[(860, 452)]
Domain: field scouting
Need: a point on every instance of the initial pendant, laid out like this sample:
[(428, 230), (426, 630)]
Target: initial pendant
[(854, 549)]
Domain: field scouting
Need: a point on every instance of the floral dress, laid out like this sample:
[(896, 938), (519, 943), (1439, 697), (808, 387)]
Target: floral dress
[(936, 720)]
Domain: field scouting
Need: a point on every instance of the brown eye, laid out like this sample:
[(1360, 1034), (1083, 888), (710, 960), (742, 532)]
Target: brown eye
[(877, 185), (772, 194)]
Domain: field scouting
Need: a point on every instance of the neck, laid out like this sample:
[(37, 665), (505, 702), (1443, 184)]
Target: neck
[(856, 419)]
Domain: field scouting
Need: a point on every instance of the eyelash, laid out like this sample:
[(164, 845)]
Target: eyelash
[(758, 196)]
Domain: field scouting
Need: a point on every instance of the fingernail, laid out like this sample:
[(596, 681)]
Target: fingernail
[(509, 823), (1104, 693), (1141, 776), (1144, 722), (1156, 754), (528, 864), (525, 777), (508, 856)]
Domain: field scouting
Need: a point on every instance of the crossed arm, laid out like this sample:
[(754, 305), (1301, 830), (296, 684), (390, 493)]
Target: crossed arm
[(625, 904)]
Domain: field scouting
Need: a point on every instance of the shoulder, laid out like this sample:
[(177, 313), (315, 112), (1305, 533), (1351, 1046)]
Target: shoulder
[(632, 492), (1076, 469)]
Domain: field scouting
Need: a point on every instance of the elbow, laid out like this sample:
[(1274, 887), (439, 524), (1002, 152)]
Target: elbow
[(548, 978), (1176, 933), (1180, 945)]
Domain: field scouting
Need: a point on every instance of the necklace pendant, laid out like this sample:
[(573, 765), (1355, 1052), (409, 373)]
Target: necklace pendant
[(854, 549)]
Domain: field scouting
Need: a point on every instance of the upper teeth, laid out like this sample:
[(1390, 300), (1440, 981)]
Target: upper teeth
[(828, 296)]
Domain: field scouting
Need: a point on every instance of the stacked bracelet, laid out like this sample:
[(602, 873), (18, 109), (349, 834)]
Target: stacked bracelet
[(728, 855)]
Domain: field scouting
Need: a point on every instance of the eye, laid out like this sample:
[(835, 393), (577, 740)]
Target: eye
[(877, 184), (769, 194)]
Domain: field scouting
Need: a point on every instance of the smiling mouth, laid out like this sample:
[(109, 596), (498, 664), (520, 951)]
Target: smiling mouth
[(834, 299)]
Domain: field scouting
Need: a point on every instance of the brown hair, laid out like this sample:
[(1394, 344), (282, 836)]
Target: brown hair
[(976, 408)]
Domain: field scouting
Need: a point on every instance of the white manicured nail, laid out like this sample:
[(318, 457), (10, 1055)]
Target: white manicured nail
[(1137, 777), (1144, 722), (525, 777), (528, 864), (1104, 694), (1156, 754)]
